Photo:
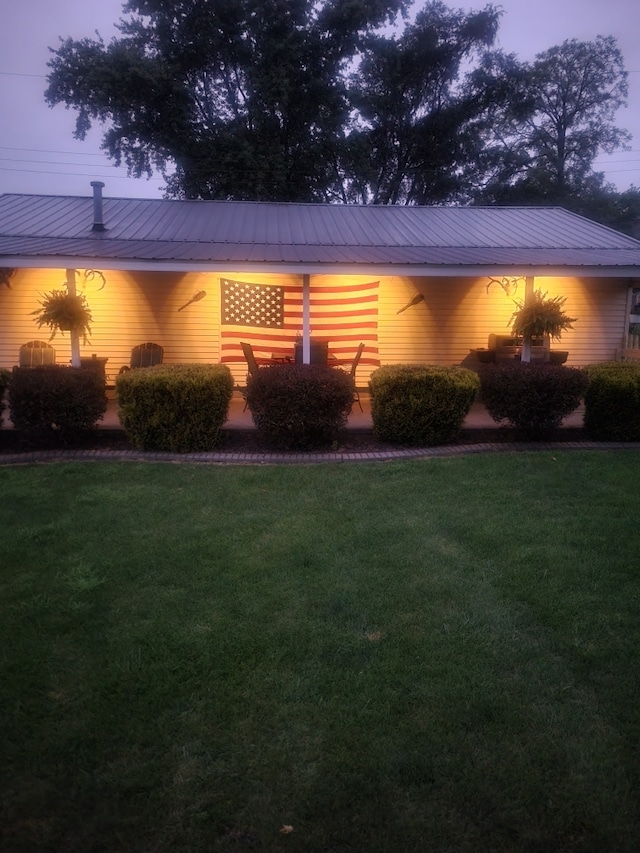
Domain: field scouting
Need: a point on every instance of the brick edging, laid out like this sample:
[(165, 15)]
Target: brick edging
[(237, 458)]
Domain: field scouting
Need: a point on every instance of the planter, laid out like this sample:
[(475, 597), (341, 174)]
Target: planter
[(95, 363), (540, 316), (508, 353), (558, 356), (62, 311), (486, 356)]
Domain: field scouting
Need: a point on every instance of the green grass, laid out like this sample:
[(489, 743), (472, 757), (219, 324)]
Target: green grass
[(436, 655)]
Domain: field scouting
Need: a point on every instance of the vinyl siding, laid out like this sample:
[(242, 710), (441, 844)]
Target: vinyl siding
[(456, 316)]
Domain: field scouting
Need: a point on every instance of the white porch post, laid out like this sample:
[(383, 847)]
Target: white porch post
[(627, 342), (526, 341), (306, 319), (73, 334)]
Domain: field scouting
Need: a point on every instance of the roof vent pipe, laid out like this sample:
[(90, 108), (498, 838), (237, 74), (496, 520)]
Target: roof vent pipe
[(98, 225)]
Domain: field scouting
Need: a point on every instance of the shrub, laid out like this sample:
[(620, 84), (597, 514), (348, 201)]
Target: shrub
[(175, 407), (534, 397), (56, 400), (421, 405), (299, 406), (612, 401), (5, 376)]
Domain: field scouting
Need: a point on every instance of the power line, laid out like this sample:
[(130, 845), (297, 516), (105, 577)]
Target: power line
[(50, 151), (104, 156), (44, 76), (626, 151), (603, 164), (110, 176), (49, 162), (21, 74)]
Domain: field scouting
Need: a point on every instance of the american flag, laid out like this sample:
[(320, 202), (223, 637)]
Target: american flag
[(269, 317)]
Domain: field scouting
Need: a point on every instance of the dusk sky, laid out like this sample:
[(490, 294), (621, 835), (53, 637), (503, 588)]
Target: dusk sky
[(38, 153)]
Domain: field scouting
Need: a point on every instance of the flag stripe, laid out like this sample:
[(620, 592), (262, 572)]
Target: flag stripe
[(270, 319)]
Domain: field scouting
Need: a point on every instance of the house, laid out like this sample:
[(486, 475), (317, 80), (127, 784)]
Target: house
[(415, 284)]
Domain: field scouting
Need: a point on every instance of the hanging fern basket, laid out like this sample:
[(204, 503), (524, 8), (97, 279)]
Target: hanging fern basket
[(61, 311), (541, 316)]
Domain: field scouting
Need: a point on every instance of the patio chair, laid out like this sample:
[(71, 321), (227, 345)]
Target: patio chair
[(252, 366), (352, 373), (144, 355), (36, 353)]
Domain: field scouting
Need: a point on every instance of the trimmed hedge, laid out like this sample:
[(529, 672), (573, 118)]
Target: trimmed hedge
[(533, 397), (5, 376), (612, 401), (299, 406), (421, 405), (174, 407), (55, 400)]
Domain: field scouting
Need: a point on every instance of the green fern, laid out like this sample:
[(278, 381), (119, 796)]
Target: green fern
[(541, 316)]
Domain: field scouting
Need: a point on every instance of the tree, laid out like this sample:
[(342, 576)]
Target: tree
[(324, 100), (418, 125), (619, 210), (226, 98), (296, 100), (545, 141)]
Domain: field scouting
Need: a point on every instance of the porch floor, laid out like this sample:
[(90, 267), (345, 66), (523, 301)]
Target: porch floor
[(478, 417)]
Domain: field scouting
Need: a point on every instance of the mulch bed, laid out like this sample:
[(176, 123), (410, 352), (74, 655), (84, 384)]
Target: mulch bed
[(248, 441)]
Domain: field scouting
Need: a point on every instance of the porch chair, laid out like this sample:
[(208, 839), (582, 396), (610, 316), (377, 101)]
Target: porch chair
[(252, 366), (352, 374), (36, 353), (144, 355)]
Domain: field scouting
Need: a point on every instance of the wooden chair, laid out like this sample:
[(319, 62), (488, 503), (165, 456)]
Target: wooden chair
[(36, 353), (252, 366), (352, 373), (144, 355)]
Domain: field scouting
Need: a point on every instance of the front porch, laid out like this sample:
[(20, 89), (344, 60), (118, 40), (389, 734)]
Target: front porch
[(240, 419)]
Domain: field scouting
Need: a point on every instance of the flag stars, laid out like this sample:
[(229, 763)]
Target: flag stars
[(252, 304)]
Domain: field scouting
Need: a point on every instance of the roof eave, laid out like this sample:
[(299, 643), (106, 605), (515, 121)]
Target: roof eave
[(423, 270)]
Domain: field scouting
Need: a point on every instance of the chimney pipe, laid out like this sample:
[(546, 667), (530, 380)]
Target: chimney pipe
[(97, 206)]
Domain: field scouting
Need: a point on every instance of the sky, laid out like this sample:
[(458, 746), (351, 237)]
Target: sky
[(38, 153)]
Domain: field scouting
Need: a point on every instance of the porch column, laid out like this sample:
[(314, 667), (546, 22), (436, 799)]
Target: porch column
[(306, 319), (73, 334), (528, 296)]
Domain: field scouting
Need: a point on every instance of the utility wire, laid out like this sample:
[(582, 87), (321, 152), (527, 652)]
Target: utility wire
[(52, 151), (110, 176)]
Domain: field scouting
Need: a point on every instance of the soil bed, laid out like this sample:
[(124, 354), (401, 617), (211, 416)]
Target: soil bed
[(248, 441)]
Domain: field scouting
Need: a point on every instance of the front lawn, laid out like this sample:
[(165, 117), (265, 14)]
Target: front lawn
[(435, 655)]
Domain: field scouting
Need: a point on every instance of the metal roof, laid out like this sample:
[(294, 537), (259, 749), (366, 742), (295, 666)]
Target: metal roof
[(155, 233)]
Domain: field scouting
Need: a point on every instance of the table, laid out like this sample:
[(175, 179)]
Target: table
[(95, 363), (319, 352)]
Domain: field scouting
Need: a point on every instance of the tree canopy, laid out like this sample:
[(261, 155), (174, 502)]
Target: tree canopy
[(341, 100), (544, 142), (226, 98), (417, 119)]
